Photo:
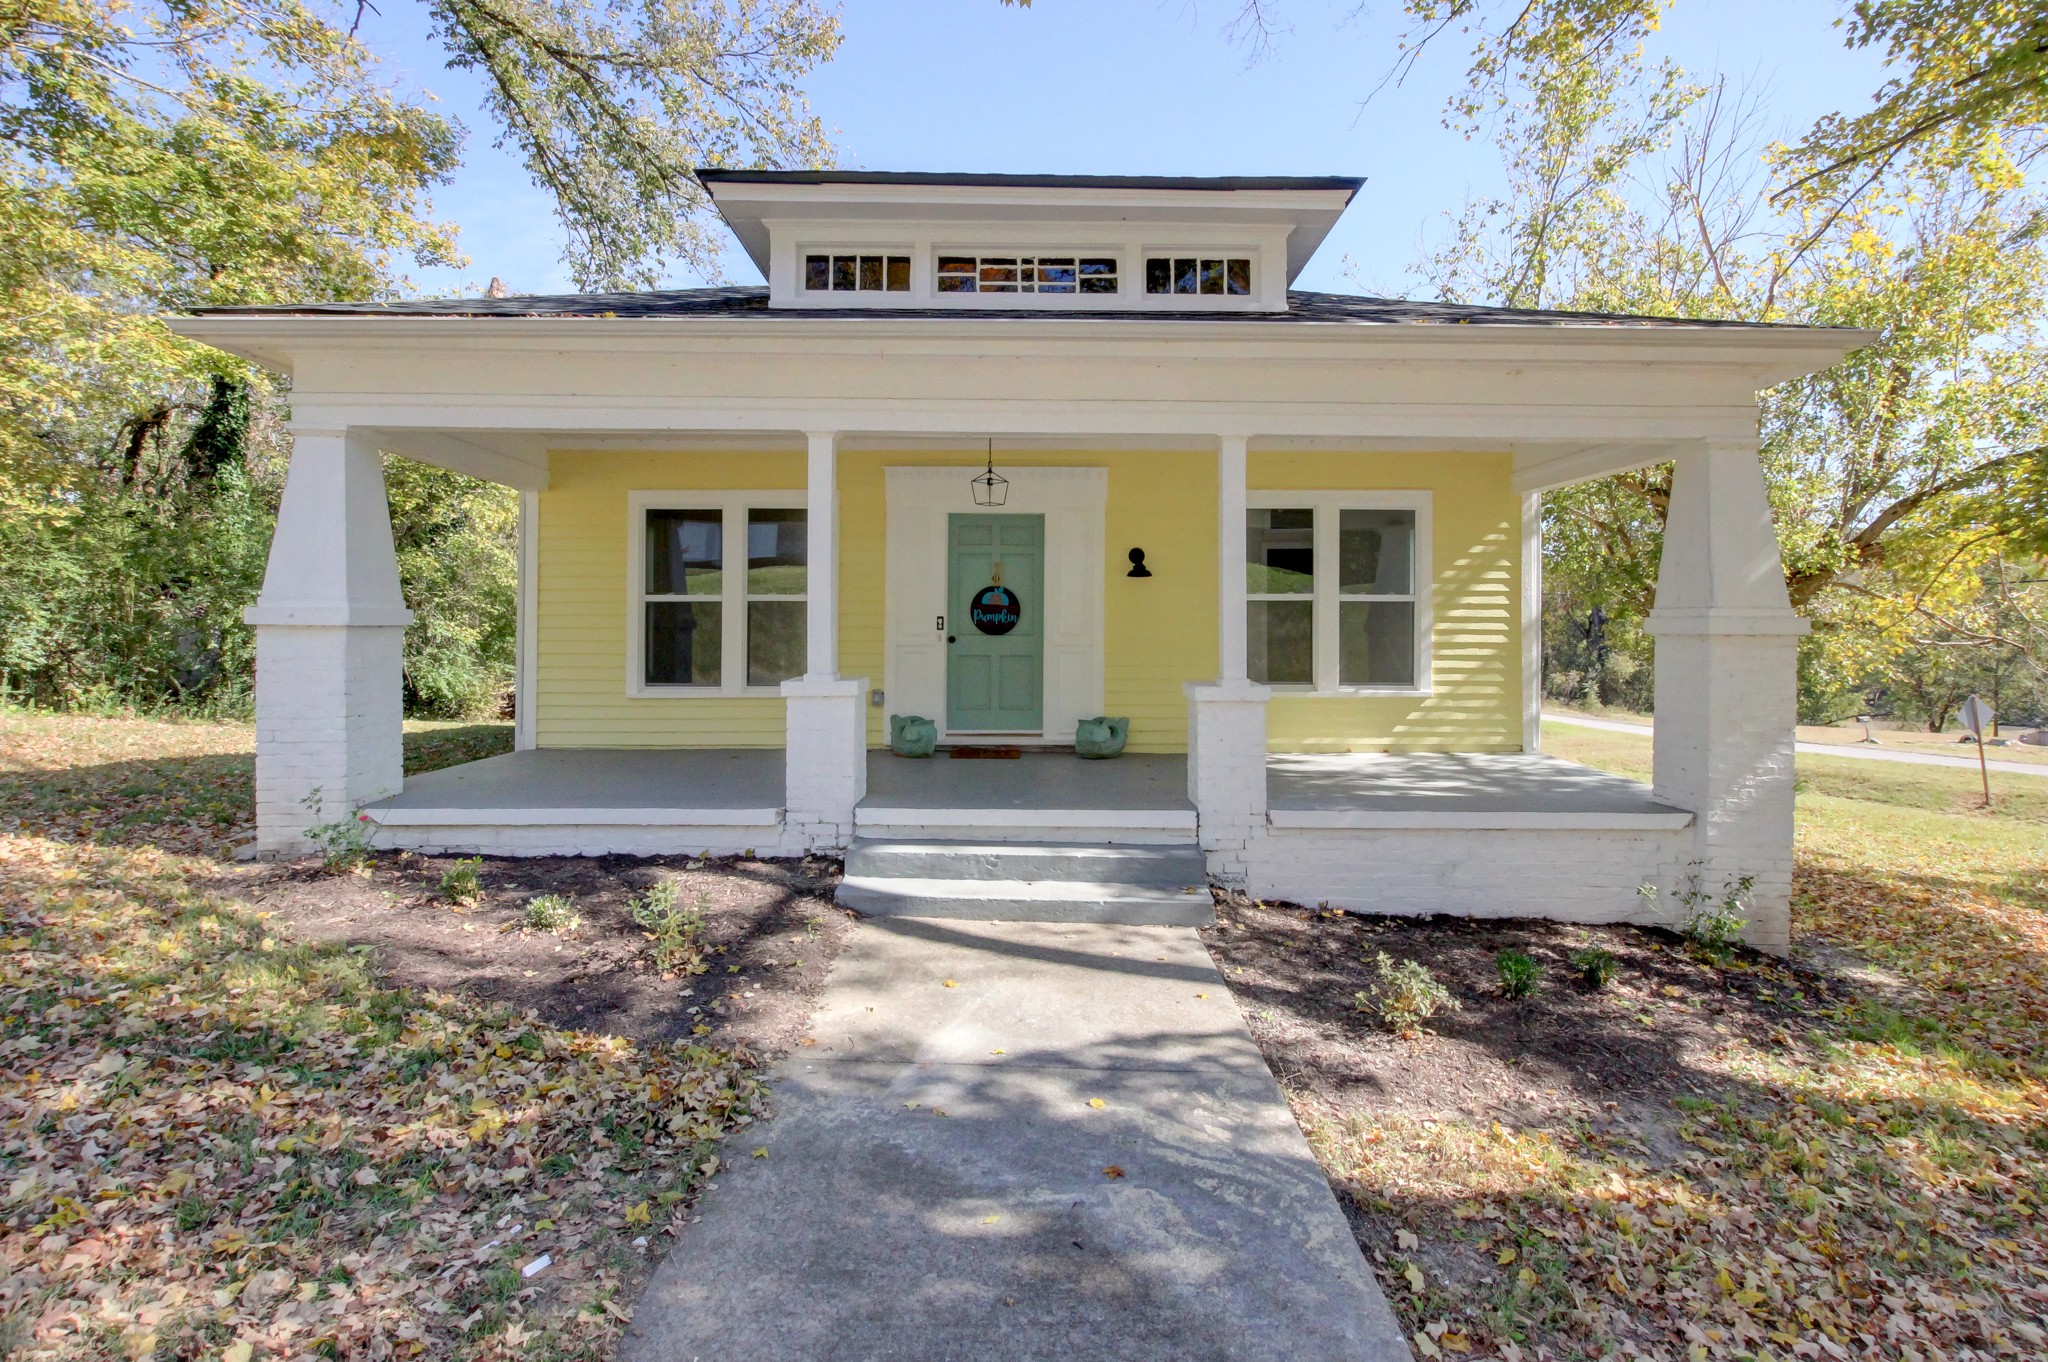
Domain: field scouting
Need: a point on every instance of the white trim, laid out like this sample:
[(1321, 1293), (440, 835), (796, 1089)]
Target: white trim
[(1475, 822), (732, 664), (1074, 502), (1230, 531), (1532, 622), (561, 817), (1172, 820), (821, 556), (1327, 599), (525, 722)]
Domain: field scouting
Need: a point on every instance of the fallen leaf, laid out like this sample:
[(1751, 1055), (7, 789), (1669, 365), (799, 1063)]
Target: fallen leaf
[(950, 984), (1097, 1103), (1113, 1171), (760, 1151)]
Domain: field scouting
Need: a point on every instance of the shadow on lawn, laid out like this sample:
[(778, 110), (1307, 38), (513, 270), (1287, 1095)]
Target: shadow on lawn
[(190, 803)]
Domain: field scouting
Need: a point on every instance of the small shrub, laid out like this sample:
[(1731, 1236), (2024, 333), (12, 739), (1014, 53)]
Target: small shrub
[(345, 843), (463, 882), (1405, 994), (1518, 973), (552, 913), (1596, 967), (672, 928), (1712, 926)]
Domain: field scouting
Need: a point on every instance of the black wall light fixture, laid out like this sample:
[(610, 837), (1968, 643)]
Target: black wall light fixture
[(1138, 568)]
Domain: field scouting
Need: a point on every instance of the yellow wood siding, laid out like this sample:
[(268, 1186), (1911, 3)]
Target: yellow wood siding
[(1158, 632), (1476, 566), (580, 664)]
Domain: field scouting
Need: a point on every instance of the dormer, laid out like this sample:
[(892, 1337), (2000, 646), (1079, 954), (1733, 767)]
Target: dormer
[(1087, 243)]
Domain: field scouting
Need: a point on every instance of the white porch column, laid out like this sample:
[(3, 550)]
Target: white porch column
[(1532, 622), (1227, 718), (330, 623), (825, 757), (1726, 688)]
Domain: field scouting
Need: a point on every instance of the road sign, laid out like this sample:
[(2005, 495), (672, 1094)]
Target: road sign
[(1977, 717)]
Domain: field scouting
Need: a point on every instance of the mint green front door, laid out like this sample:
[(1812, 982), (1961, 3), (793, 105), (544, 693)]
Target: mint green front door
[(995, 624)]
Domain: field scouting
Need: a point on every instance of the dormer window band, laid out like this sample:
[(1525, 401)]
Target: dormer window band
[(1227, 275), (1026, 274), (857, 273)]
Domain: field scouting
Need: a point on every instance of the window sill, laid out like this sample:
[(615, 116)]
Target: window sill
[(1356, 692), (704, 692)]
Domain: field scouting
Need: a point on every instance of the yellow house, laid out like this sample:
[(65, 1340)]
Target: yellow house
[(1012, 454)]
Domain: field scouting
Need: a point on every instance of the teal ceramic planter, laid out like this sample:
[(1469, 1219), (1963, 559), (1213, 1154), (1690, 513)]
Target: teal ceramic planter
[(1102, 737), (912, 735)]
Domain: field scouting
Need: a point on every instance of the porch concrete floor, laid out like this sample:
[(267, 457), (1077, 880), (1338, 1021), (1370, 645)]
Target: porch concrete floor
[(1452, 783), (934, 1182), (724, 778), (1035, 780)]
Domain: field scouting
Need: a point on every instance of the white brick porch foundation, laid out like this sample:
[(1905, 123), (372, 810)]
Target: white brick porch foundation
[(1227, 773), (826, 750)]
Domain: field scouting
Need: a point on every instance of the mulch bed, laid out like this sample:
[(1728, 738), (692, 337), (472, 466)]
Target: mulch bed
[(771, 933), (1613, 1058)]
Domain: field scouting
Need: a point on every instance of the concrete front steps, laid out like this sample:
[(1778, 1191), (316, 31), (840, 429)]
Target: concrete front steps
[(1027, 882)]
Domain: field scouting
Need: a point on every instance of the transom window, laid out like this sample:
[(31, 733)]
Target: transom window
[(857, 273), (1026, 274), (1229, 275), (1336, 590), (720, 591)]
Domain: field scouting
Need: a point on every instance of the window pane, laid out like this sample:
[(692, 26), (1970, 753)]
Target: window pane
[(1096, 283), (1184, 278), (1159, 276), (1279, 642), (871, 273), (775, 641), (1376, 643), (1056, 272), (1279, 552), (685, 553), (1212, 276), (817, 272), (1098, 267), (845, 272), (683, 642), (999, 271), (776, 552), (899, 274), (1376, 553), (1239, 277)]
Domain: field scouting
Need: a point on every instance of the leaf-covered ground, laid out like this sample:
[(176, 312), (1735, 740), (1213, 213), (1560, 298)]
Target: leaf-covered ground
[(218, 1143), (1843, 1157)]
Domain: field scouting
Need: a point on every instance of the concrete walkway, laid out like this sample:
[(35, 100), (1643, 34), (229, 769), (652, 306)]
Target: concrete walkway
[(1823, 749), (935, 1188)]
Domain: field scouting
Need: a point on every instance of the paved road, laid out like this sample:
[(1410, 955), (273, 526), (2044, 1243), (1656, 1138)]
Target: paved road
[(934, 1186), (1824, 749)]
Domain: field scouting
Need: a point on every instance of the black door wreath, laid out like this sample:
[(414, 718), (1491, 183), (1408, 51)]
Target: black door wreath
[(995, 610)]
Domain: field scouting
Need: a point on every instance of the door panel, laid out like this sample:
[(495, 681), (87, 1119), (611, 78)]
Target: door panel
[(995, 682)]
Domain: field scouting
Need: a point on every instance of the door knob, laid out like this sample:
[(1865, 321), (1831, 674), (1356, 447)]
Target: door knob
[(951, 639)]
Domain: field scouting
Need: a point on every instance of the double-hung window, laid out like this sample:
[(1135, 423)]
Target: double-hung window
[(719, 584), (1337, 590)]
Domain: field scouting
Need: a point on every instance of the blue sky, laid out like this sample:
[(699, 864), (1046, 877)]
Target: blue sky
[(1142, 87)]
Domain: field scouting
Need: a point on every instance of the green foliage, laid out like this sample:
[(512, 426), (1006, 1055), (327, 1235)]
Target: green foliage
[(1596, 966), (344, 843), (462, 882), (1712, 925), (1405, 994), (1519, 973), (457, 542), (551, 913), (673, 928)]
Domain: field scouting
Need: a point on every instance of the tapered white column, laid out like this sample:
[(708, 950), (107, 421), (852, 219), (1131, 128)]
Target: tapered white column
[(1727, 657), (825, 772), (1227, 718), (330, 627)]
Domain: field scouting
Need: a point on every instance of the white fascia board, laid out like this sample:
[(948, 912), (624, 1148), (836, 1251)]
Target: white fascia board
[(1766, 357)]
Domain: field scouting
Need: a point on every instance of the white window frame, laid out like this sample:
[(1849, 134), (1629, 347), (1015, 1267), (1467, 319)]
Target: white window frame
[(1327, 507), (733, 599), (898, 296)]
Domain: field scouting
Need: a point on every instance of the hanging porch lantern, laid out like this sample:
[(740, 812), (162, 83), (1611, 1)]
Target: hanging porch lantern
[(990, 487)]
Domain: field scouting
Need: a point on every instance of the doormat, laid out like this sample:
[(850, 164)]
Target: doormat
[(986, 753)]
